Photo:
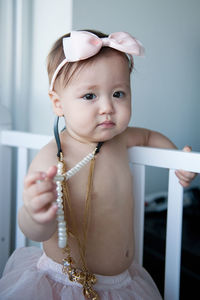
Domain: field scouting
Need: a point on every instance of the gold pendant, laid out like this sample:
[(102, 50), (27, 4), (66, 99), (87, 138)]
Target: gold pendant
[(90, 293), (85, 278)]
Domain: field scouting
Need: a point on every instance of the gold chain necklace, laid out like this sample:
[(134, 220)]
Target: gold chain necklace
[(82, 276)]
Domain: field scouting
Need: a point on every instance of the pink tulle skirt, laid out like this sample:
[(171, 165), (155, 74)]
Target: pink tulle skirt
[(31, 275)]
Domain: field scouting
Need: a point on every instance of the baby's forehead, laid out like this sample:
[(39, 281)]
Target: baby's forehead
[(105, 61)]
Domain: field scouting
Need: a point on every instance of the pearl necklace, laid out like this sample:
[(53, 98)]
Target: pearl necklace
[(62, 226), (59, 178)]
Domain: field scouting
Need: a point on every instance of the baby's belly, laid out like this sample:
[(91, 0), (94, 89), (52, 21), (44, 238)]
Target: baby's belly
[(111, 257), (109, 252)]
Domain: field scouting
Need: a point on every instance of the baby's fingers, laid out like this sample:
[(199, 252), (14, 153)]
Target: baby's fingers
[(51, 172), (42, 202), (188, 176), (39, 176), (46, 216), (185, 177), (33, 177), (41, 187)]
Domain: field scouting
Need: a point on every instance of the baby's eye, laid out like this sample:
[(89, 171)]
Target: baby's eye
[(119, 94), (89, 96)]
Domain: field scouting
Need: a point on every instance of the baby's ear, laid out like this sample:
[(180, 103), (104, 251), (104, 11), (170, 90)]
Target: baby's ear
[(56, 103)]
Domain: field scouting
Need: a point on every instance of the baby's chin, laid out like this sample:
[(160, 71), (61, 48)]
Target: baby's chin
[(106, 136)]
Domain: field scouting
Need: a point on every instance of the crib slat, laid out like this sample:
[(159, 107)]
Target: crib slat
[(138, 172), (22, 162), (5, 205), (173, 238), (24, 139)]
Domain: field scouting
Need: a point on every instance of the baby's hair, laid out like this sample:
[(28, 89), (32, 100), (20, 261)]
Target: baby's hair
[(56, 56)]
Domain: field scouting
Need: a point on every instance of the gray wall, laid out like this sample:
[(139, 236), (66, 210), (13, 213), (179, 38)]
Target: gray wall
[(166, 83)]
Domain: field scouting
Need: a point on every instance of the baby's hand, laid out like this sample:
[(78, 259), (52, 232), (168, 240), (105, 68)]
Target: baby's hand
[(40, 195), (185, 177)]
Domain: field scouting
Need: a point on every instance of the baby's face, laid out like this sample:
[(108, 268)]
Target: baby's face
[(96, 102)]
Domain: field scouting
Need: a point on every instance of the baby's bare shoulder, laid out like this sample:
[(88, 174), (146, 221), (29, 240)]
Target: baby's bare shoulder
[(136, 136), (45, 158)]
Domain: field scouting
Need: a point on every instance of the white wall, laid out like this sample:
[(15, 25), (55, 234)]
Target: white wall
[(6, 37), (166, 94), (51, 19)]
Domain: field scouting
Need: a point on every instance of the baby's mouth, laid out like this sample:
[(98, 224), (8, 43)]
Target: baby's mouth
[(107, 124)]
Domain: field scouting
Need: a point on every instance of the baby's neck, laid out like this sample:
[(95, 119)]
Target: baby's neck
[(82, 142)]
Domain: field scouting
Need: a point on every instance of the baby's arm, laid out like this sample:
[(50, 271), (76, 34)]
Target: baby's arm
[(37, 216), (145, 137)]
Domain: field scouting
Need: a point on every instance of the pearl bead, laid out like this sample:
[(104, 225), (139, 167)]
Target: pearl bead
[(60, 194), (60, 218), (62, 243), (59, 189), (60, 211), (61, 229), (62, 238), (62, 224), (62, 235), (60, 205), (59, 201), (58, 178)]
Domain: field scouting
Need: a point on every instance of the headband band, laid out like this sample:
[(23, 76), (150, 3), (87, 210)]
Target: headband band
[(84, 44)]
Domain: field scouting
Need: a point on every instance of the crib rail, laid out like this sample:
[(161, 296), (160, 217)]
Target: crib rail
[(139, 158), (23, 139), (172, 160)]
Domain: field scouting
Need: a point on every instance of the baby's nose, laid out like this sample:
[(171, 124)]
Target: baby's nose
[(106, 106)]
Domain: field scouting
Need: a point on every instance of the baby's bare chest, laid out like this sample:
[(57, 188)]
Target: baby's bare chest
[(111, 190)]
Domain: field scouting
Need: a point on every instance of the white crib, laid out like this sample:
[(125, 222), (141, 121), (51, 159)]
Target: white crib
[(139, 158)]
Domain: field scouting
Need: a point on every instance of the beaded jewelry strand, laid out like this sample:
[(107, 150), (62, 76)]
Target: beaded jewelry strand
[(62, 226), (59, 178)]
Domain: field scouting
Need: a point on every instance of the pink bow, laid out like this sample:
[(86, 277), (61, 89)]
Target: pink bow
[(83, 44)]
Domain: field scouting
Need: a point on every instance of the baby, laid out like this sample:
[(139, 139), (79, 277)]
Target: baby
[(89, 76)]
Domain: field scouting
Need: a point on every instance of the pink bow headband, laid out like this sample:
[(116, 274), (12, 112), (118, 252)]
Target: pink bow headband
[(83, 44)]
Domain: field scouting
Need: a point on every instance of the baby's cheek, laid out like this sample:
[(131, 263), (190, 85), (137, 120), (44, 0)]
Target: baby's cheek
[(126, 116), (82, 125), (83, 122)]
